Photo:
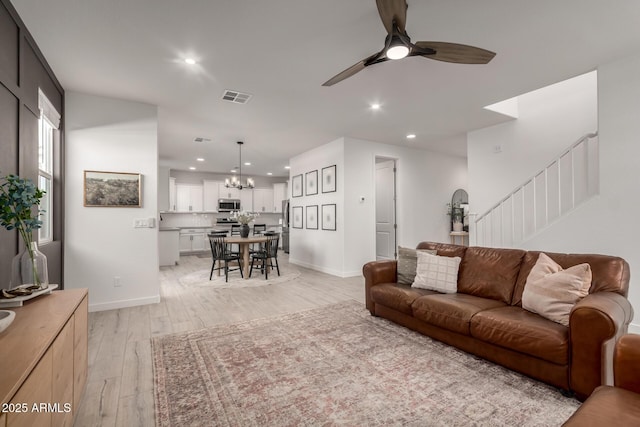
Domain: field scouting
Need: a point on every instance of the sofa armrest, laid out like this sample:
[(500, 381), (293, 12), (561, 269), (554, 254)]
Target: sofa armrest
[(376, 272), (626, 363), (595, 324)]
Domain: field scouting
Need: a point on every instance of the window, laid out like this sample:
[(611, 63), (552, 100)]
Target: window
[(49, 121)]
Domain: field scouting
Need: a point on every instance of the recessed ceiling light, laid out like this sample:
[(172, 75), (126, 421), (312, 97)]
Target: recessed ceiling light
[(375, 106), (233, 171), (287, 167), (200, 159), (190, 61), (192, 168), (247, 163), (411, 136), (269, 173)]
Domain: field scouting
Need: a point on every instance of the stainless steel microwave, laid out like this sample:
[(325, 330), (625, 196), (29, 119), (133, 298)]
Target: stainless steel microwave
[(228, 205)]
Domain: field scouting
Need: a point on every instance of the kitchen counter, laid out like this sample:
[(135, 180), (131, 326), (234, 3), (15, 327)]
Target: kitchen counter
[(169, 228)]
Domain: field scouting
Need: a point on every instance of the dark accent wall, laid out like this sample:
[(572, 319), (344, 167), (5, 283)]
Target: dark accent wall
[(23, 70)]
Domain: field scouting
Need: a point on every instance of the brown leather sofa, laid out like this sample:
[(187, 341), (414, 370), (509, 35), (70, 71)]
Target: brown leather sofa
[(620, 405), (485, 317)]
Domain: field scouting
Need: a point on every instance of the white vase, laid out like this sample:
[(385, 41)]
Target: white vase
[(457, 226), (30, 271)]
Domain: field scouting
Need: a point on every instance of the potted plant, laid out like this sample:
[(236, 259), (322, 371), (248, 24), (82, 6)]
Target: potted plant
[(18, 197), (457, 215), (244, 218)]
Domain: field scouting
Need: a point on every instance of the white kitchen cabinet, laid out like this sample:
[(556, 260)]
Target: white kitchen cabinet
[(279, 195), (263, 200), (246, 199), (189, 198), (211, 195), (193, 241), (228, 193), (172, 195)]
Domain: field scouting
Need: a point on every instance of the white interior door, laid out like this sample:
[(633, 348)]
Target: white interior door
[(385, 209)]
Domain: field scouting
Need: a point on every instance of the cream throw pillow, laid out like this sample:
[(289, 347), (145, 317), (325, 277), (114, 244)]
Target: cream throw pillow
[(551, 291), (407, 262), (437, 273)]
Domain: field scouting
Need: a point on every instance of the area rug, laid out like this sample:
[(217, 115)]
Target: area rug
[(200, 278), (338, 366)]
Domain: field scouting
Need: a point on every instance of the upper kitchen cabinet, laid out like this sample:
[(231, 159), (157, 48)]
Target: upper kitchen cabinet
[(279, 195), (172, 195), (246, 200), (263, 200), (189, 198), (228, 193), (211, 195)]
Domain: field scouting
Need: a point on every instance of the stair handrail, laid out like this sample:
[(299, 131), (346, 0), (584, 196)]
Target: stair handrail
[(518, 188)]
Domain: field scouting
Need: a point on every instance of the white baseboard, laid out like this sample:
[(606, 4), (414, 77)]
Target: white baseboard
[(324, 269), (634, 328), (124, 303)]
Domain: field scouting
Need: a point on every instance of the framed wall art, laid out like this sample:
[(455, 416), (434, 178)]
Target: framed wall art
[(312, 217), (329, 217), (112, 189), (296, 213), (311, 183), (296, 186), (329, 179)]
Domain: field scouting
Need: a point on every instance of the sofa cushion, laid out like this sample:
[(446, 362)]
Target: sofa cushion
[(397, 296), (437, 273), (490, 273), (610, 274), (552, 292), (443, 249), (607, 406), (451, 311), (407, 263), (519, 330)]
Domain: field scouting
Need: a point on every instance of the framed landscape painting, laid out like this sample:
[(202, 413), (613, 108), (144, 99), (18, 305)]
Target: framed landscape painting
[(112, 189)]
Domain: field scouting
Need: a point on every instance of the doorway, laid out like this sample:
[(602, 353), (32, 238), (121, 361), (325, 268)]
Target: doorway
[(386, 227)]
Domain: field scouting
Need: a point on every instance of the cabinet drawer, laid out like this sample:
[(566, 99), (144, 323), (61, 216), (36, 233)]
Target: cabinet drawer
[(35, 390)]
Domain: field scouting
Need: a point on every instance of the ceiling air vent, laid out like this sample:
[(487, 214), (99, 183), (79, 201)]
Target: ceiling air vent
[(201, 139), (235, 96)]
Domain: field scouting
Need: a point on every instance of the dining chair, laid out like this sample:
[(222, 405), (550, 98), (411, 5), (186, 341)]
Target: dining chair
[(221, 253), (257, 229), (267, 255), (235, 231)]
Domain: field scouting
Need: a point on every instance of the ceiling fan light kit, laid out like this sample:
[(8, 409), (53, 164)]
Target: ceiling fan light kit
[(393, 14)]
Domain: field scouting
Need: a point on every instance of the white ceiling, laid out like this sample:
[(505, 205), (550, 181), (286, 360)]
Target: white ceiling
[(281, 51)]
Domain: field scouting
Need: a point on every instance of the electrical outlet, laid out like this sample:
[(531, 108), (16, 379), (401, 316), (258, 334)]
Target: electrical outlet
[(116, 282), (497, 149)]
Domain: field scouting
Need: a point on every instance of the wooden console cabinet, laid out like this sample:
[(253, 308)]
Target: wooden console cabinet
[(43, 355)]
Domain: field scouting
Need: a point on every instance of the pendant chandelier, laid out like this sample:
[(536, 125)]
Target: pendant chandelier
[(237, 182)]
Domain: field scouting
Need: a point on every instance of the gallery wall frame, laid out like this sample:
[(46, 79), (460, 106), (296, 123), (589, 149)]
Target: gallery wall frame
[(329, 217), (296, 186), (329, 179), (312, 217), (112, 189), (296, 220), (311, 183)]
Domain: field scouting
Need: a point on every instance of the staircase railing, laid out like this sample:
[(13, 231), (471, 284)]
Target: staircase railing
[(568, 181)]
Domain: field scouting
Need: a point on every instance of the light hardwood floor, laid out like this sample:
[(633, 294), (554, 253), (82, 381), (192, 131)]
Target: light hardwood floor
[(119, 389)]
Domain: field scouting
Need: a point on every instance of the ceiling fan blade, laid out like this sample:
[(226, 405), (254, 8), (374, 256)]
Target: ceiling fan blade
[(453, 52), (393, 10), (356, 68)]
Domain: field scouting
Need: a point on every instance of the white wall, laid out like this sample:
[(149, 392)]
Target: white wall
[(550, 120), (604, 224), (425, 183), (113, 135)]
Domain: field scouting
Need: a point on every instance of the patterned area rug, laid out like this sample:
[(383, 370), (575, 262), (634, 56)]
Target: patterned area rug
[(338, 365), (200, 278)]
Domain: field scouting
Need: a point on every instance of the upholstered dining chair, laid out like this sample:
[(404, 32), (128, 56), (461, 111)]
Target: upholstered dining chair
[(221, 253), (267, 255)]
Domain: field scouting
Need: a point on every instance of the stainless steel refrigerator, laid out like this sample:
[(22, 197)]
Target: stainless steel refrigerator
[(285, 226)]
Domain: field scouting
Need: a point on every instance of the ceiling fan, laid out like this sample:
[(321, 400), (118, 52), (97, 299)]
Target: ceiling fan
[(398, 45)]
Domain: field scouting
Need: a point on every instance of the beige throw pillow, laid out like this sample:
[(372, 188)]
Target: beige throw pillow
[(437, 273), (551, 291), (407, 261)]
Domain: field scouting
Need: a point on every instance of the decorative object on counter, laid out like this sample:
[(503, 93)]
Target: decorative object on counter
[(311, 181), (329, 179), (237, 182), (329, 217), (296, 186), (18, 197), (244, 218), (312, 217), (17, 296), (112, 189), (296, 212), (6, 318)]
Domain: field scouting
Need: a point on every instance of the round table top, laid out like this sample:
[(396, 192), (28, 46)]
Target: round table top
[(251, 239)]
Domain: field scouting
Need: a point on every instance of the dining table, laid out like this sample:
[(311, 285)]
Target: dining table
[(243, 243)]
